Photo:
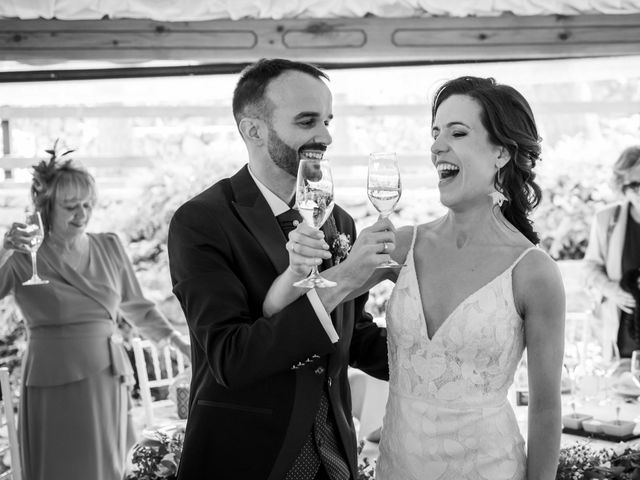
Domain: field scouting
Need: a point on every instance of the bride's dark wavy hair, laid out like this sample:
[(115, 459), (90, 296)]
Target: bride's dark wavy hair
[(507, 117)]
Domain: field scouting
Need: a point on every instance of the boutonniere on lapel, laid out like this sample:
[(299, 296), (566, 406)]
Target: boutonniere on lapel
[(339, 243), (339, 247)]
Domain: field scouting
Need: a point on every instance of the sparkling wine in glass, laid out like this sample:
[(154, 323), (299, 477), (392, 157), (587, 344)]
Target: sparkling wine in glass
[(575, 332), (314, 199), (635, 373), (34, 227), (384, 188), (635, 367), (606, 362)]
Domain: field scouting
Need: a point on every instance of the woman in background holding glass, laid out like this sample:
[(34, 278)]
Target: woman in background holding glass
[(73, 418), (613, 250)]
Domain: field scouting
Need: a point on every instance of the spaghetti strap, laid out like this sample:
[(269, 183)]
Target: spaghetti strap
[(413, 240), (521, 256), (409, 257)]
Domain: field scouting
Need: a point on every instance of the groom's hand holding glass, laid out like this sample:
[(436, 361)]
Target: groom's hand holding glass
[(307, 248)]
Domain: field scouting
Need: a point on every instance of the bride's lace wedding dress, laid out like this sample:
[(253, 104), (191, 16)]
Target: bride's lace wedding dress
[(447, 416)]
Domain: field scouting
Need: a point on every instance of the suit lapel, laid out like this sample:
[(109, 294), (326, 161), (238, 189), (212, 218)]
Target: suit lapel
[(256, 214), (330, 231)]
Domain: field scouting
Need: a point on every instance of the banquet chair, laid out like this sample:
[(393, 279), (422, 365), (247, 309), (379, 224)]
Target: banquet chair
[(9, 422), (166, 363)]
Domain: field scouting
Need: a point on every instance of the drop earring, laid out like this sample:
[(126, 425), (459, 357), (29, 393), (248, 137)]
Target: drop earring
[(498, 198)]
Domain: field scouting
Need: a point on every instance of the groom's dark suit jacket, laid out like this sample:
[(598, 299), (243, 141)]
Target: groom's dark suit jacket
[(257, 381)]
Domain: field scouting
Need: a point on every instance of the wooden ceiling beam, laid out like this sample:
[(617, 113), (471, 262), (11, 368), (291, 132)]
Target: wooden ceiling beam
[(323, 41), (571, 107)]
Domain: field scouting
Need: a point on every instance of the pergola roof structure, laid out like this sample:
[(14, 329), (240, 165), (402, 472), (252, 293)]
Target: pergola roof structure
[(222, 36)]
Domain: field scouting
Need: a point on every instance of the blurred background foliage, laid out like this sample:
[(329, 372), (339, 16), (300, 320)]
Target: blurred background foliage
[(189, 154)]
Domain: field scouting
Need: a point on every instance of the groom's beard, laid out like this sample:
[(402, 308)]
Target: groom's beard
[(282, 154)]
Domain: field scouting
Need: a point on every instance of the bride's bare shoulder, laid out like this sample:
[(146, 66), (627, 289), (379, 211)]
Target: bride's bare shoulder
[(430, 229)]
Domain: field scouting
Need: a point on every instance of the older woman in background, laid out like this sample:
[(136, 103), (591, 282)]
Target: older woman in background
[(73, 418), (614, 249)]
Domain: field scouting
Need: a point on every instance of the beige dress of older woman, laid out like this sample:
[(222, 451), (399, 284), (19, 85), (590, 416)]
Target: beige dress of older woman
[(73, 410)]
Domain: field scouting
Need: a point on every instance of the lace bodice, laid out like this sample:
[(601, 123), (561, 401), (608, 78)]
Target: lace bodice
[(447, 416), (471, 358)]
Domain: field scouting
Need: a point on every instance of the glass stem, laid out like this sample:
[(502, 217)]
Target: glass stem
[(34, 264), (314, 272)]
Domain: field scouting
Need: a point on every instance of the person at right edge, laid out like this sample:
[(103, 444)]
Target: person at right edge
[(613, 254), (269, 396)]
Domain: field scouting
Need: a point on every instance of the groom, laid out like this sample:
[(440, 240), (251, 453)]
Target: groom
[(270, 397)]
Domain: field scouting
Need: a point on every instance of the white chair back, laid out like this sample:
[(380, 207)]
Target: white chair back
[(9, 422), (166, 364)]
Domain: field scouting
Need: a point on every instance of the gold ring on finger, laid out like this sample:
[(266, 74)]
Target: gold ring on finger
[(384, 247)]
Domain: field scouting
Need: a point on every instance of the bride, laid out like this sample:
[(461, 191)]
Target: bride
[(474, 292)]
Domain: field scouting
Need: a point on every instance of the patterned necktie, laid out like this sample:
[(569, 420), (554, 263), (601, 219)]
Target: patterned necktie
[(286, 220)]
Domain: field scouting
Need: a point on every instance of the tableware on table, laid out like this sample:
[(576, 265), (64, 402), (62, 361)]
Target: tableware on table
[(615, 428), (574, 420), (576, 324), (618, 428), (33, 222), (384, 188), (635, 367), (592, 426), (606, 362), (625, 386), (314, 200)]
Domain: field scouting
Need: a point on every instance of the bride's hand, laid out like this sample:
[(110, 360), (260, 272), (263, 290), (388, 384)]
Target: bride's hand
[(372, 248), (306, 247)]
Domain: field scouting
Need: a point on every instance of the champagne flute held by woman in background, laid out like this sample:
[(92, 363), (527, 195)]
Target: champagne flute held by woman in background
[(34, 232)]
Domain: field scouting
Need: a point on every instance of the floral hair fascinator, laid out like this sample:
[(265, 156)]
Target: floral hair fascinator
[(44, 171)]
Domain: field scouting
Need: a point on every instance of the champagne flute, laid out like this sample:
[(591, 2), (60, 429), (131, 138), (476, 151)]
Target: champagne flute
[(635, 373), (34, 227), (571, 362), (635, 367), (314, 199), (608, 362), (384, 188), (574, 348)]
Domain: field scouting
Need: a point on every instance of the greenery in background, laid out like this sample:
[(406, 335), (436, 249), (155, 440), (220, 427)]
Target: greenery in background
[(157, 455), (582, 461), (145, 228), (191, 154), (575, 175)]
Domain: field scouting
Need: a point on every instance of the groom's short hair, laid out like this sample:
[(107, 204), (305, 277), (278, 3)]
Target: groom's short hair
[(248, 96)]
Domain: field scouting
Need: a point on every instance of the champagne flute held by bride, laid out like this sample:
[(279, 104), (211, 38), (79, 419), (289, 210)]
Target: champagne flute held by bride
[(384, 188)]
